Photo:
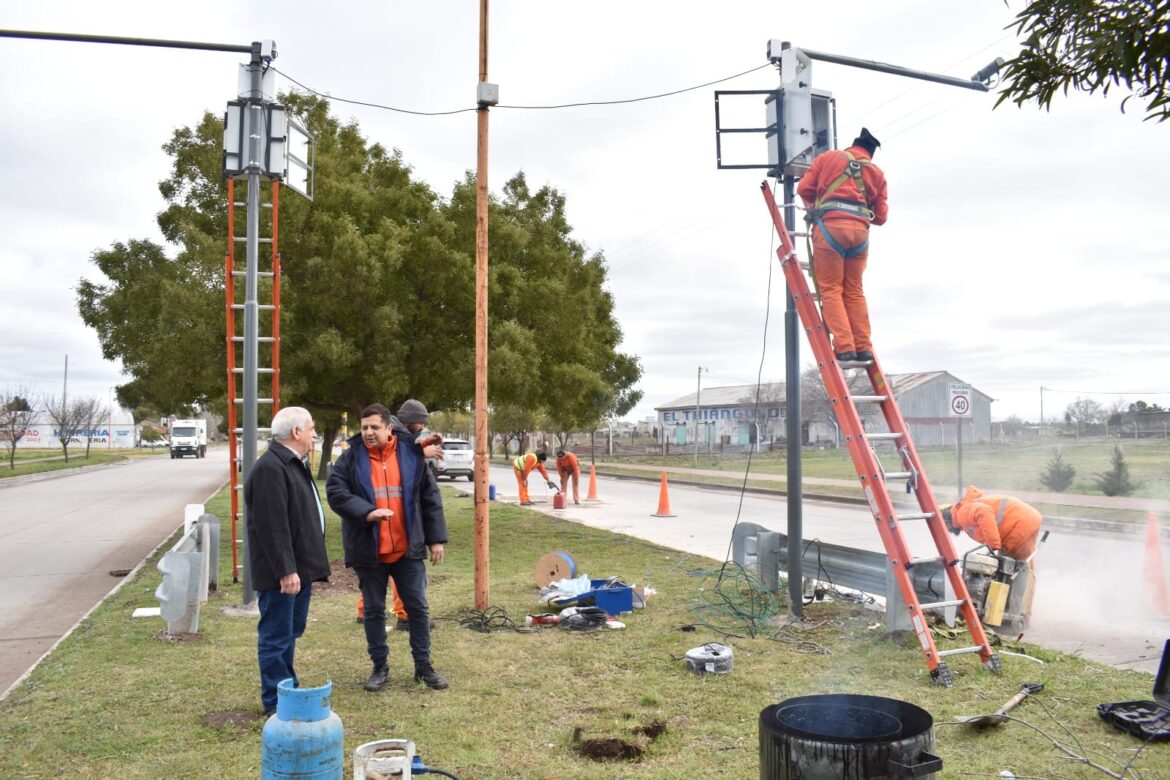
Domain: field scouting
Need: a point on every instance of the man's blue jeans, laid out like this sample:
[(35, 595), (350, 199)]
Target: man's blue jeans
[(410, 578), (282, 621)]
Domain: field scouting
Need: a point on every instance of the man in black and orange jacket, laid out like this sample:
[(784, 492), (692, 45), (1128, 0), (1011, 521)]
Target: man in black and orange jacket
[(392, 519)]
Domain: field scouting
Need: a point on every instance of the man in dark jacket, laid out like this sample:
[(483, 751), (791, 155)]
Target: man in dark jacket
[(392, 518), (286, 545)]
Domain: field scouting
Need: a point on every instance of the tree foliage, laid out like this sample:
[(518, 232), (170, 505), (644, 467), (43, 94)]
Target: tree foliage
[(1057, 475), (1091, 45), (1116, 481), (377, 291)]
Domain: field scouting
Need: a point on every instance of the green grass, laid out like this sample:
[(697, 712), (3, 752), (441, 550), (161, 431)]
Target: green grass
[(77, 459), (116, 701), (1014, 466)]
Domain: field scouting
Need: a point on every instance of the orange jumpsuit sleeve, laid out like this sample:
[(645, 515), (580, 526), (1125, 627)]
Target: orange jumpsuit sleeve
[(978, 520), (875, 191), (809, 187), (543, 473)]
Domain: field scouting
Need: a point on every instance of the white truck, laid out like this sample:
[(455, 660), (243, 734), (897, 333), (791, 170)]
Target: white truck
[(188, 437)]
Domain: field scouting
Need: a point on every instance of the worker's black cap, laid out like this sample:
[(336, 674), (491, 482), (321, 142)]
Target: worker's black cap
[(560, 452), (866, 141), (541, 455)]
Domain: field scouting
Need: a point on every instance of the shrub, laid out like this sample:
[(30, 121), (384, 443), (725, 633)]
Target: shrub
[(1058, 476), (1116, 481)]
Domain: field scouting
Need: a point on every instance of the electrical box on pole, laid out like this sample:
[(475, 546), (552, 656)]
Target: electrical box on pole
[(800, 118)]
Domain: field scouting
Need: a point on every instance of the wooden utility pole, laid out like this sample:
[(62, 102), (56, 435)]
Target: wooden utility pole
[(482, 443)]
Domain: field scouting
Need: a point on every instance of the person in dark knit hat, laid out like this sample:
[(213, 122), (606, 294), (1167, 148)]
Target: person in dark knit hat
[(844, 192)]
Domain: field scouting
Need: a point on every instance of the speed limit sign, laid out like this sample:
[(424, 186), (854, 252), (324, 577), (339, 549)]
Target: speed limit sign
[(960, 400)]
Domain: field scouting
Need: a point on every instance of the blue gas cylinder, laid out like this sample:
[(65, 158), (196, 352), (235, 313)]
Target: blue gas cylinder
[(304, 739), (491, 492)]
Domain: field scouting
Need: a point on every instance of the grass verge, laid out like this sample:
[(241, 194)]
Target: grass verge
[(116, 700), (76, 461), (1014, 466)]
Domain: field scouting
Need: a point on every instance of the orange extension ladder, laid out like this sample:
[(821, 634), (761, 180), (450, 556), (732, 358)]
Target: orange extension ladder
[(874, 477), (232, 274)]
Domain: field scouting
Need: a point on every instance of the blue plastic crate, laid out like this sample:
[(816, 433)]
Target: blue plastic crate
[(615, 599)]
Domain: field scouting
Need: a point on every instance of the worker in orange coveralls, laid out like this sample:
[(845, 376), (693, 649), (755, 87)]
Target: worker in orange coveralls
[(525, 465), (844, 193), (1006, 525), (569, 466)]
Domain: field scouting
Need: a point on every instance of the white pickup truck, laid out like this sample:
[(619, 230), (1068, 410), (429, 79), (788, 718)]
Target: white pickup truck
[(188, 437)]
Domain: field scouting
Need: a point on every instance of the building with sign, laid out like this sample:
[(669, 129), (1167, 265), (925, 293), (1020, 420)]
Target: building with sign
[(735, 416)]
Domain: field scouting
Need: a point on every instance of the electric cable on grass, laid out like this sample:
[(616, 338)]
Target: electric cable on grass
[(734, 604), (490, 619)]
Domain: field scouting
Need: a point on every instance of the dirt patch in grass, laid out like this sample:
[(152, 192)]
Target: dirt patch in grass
[(654, 729), (341, 580), (619, 748)]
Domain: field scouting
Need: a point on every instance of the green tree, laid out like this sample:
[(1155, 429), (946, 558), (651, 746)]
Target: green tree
[(1091, 45), (1057, 475), (377, 289), (553, 336), (1116, 481)]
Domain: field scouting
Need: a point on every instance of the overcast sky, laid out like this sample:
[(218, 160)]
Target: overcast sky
[(1024, 248)]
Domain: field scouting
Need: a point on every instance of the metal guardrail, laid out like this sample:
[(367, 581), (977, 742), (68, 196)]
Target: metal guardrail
[(189, 571), (765, 553)]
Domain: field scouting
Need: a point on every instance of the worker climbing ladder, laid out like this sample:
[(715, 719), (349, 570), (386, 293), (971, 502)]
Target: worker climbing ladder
[(232, 273), (873, 476)]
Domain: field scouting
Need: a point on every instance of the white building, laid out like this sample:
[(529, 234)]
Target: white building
[(741, 415)]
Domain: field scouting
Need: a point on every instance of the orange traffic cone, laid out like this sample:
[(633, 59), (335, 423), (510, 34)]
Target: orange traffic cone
[(1155, 569), (592, 484), (361, 610), (663, 501)]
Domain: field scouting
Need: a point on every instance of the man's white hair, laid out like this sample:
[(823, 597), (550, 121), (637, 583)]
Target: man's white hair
[(288, 418)]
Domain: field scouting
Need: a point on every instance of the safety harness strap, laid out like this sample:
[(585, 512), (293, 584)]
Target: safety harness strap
[(845, 252), (825, 203)]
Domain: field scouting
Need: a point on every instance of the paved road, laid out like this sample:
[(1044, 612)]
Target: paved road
[(61, 534), (1090, 592)]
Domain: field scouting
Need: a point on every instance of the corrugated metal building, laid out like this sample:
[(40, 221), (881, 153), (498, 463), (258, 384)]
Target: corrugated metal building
[(730, 416)]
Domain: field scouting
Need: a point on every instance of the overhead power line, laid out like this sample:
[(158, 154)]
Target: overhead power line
[(615, 102), (1107, 392)]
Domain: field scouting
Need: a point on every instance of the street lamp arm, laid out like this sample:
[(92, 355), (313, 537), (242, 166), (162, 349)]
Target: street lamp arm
[(77, 38), (853, 62)]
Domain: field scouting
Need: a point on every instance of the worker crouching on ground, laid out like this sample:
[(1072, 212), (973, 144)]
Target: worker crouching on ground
[(525, 465), (568, 466), (1006, 525), (844, 193), (392, 516)]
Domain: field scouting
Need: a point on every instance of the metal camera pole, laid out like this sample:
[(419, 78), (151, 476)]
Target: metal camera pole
[(251, 303)]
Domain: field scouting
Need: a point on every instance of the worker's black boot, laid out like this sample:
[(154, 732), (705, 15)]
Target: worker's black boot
[(425, 673), (378, 678), (864, 356)]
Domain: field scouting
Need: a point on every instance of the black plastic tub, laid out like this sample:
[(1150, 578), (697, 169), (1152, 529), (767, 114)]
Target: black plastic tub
[(841, 735)]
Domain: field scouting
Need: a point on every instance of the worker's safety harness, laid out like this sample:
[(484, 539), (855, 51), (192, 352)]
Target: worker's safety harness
[(825, 204)]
